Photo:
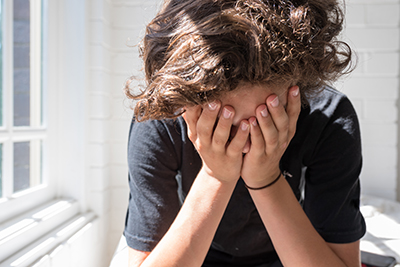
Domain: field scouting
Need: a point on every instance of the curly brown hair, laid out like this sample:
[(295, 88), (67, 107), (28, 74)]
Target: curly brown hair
[(195, 50)]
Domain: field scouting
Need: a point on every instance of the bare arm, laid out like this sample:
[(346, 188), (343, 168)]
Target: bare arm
[(189, 238), (136, 257), (295, 239)]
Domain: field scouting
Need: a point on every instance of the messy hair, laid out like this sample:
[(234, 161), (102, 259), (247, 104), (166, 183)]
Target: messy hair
[(196, 50)]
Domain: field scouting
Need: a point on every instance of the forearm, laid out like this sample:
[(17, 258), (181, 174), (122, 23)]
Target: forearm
[(295, 239), (189, 238)]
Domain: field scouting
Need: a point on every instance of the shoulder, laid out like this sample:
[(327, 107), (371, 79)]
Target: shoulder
[(172, 126), (330, 108), (161, 138), (330, 102), (158, 130), (329, 123)]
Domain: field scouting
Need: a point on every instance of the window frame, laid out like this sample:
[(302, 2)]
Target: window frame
[(65, 117), (20, 202)]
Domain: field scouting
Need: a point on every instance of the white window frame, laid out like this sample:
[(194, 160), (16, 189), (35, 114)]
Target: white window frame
[(19, 202), (65, 142)]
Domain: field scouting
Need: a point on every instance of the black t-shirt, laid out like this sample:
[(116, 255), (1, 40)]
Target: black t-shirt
[(322, 165)]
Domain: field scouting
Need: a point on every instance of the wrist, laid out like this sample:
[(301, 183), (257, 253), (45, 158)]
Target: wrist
[(268, 181), (264, 186), (223, 180)]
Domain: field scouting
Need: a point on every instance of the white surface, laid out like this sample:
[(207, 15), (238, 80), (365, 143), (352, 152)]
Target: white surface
[(382, 237), (383, 226), (120, 257)]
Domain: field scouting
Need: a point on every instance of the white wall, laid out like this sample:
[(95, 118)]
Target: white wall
[(113, 27), (373, 31)]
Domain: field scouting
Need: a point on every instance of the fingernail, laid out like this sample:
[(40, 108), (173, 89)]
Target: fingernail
[(244, 126), (295, 92), (274, 103), (226, 113), (254, 122), (212, 105), (264, 112)]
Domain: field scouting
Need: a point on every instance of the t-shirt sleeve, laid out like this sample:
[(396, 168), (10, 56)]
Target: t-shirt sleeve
[(332, 188), (154, 202)]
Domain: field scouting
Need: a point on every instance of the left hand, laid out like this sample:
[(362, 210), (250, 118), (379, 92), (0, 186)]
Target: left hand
[(271, 132)]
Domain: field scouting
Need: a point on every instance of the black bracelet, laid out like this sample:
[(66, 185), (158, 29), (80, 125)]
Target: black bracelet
[(265, 186)]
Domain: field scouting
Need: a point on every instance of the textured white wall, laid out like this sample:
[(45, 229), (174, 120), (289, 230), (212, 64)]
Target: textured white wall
[(372, 30), (114, 27), (128, 19)]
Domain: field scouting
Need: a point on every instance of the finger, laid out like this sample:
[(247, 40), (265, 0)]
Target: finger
[(293, 109), (257, 140), (268, 128), (191, 117), (207, 120), (280, 119), (223, 129), (239, 140), (278, 113)]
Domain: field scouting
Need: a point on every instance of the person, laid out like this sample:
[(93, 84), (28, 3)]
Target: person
[(240, 152)]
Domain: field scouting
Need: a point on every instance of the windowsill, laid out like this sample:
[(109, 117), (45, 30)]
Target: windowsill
[(39, 230), (25, 192), (23, 202)]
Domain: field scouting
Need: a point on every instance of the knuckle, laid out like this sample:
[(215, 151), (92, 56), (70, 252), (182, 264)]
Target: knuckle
[(284, 145), (192, 136), (219, 141), (200, 147), (291, 134), (272, 141), (285, 127), (201, 131), (258, 152), (234, 149)]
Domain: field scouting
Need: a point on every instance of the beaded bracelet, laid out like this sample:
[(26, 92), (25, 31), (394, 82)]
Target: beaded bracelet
[(265, 186)]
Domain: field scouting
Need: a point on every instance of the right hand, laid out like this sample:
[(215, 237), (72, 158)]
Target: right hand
[(222, 158)]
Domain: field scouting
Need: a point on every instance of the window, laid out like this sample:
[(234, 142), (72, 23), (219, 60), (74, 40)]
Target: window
[(22, 124), (42, 148)]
